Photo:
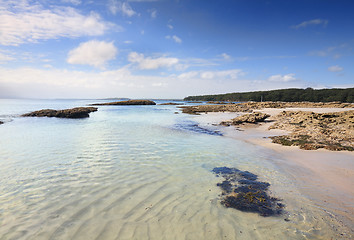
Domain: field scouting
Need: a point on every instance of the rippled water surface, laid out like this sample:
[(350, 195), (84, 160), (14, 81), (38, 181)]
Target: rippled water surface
[(133, 172)]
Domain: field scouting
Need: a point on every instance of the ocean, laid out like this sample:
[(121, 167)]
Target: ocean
[(135, 172)]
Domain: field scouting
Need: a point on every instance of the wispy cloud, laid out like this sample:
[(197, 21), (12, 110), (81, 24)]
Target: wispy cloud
[(312, 22), (148, 63), (170, 26), (121, 7), (334, 51), (94, 53), (212, 75), (225, 56), (282, 78), (174, 38), (335, 68), (247, 58), (153, 13), (5, 58), (74, 2), (23, 23)]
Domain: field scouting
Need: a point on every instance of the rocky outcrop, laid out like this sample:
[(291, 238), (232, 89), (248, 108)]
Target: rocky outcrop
[(79, 112), (129, 102), (171, 103), (1, 122), (250, 106), (309, 131), (247, 118), (215, 108)]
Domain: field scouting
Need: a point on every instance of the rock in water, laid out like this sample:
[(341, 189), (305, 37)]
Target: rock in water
[(171, 103), (1, 122), (242, 191), (129, 102), (247, 118), (79, 112)]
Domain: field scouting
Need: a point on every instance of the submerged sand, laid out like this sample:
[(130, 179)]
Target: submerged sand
[(325, 177)]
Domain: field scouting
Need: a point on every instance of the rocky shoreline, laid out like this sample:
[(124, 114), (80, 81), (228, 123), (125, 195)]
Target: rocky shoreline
[(250, 106), (311, 131), (308, 130)]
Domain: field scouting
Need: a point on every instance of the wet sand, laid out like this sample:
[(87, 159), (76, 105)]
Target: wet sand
[(325, 177)]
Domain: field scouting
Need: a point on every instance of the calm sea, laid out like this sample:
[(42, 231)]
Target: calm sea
[(134, 172)]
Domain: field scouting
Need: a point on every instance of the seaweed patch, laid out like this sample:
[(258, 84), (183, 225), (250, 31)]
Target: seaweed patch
[(242, 191), (192, 126)]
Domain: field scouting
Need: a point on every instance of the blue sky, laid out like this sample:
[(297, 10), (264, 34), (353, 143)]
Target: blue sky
[(172, 48)]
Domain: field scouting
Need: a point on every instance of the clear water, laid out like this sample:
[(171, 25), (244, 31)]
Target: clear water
[(133, 172)]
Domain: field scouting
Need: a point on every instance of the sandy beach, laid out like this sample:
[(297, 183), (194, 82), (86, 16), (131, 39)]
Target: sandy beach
[(325, 177)]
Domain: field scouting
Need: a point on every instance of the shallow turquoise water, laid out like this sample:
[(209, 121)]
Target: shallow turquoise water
[(132, 172)]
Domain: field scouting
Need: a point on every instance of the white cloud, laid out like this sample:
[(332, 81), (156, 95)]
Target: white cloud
[(94, 53), (21, 23), (5, 58), (213, 75), (174, 38), (122, 7), (63, 83), (75, 2), (282, 78), (225, 56), (170, 26), (147, 63), (312, 22), (335, 68)]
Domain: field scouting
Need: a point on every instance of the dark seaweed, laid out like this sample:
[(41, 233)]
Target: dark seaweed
[(242, 191), (194, 127)]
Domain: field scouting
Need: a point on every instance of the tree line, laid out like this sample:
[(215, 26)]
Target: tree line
[(283, 95)]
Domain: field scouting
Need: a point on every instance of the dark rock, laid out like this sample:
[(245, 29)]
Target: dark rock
[(79, 112), (171, 103), (242, 191), (129, 102), (1, 122)]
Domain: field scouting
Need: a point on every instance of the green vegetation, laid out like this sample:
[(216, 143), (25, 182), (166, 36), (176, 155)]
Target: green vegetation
[(283, 95)]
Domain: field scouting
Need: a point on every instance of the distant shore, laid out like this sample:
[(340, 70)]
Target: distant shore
[(326, 177)]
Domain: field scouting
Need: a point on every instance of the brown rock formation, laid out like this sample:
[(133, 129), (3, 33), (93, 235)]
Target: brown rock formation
[(79, 112), (247, 118), (129, 102), (333, 131), (215, 108), (249, 106)]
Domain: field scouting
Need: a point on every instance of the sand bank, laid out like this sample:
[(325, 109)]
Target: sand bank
[(326, 177)]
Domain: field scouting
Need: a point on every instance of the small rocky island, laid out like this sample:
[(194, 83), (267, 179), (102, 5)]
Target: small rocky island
[(171, 103), (79, 112), (128, 102)]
